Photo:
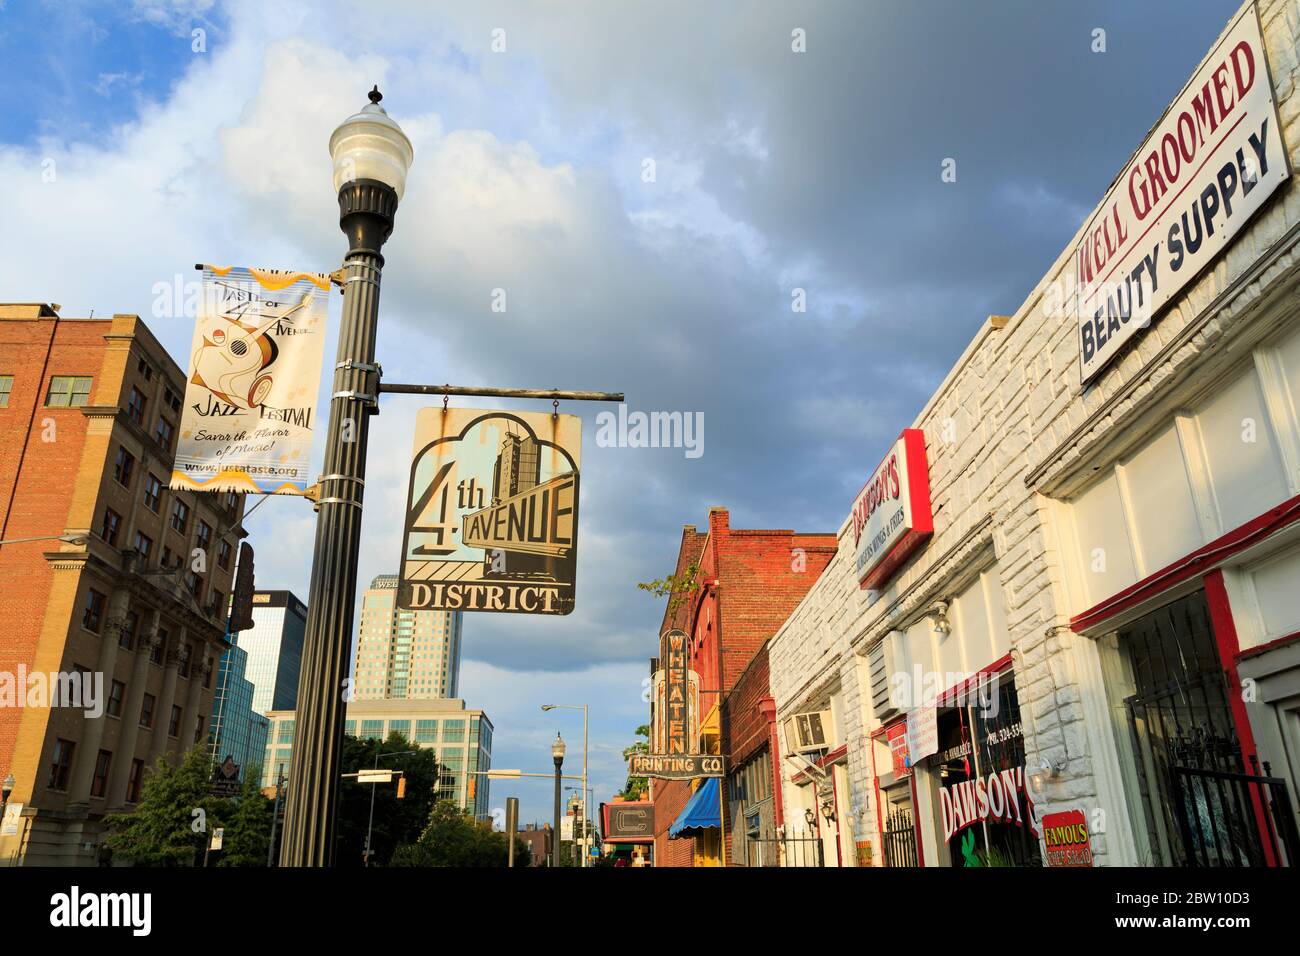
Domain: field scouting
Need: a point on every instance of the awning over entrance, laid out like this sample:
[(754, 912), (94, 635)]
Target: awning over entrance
[(701, 812)]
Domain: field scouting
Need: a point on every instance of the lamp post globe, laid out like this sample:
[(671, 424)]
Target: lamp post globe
[(371, 157)]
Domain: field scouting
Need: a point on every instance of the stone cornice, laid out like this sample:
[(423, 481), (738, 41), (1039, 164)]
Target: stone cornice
[(946, 573)]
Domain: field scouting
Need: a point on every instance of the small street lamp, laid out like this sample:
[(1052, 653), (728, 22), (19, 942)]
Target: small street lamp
[(557, 753), (6, 789), (583, 708)]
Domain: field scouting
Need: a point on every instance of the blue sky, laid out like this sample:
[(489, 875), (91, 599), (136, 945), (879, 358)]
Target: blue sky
[(127, 156)]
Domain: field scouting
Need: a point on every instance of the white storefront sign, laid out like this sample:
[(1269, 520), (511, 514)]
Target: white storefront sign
[(891, 516), (1206, 168)]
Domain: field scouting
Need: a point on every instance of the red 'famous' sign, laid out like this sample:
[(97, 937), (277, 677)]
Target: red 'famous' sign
[(1066, 837)]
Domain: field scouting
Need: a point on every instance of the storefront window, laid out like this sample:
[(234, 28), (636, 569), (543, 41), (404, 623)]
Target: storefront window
[(988, 816)]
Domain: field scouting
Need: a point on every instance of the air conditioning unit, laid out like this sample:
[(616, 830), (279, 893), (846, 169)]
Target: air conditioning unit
[(809, 731)]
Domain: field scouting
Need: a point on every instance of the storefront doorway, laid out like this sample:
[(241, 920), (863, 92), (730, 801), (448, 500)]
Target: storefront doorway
[(1204, 804)]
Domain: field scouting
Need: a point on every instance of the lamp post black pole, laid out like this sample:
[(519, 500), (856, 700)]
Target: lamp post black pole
[(555, 844), (366, 211)]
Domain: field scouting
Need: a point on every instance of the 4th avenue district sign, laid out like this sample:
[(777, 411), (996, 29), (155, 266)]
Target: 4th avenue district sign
[(492, 512)]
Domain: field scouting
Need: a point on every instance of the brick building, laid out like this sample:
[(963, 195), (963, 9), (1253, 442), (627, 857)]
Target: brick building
[(88, 416), (745, 584), (1102, 613)]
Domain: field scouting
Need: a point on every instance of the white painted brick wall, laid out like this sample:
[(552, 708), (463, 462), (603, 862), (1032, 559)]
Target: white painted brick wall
[(1013, 398)]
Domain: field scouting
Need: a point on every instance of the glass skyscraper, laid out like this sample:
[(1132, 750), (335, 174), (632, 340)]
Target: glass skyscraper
[(236, 730), (274, 646)]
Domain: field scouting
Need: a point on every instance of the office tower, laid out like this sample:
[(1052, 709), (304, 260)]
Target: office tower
[(274, 646), (97, 580), (461, 738), (404, 654)]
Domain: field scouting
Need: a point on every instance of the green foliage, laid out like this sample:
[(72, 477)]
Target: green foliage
[(174, 817), (248, 834), (396, 822), (454, 838), (637, 787), (675, 587)]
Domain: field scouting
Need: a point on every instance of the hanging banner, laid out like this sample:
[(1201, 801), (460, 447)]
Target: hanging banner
[(491, 512), (1206, 168), (250, 398)]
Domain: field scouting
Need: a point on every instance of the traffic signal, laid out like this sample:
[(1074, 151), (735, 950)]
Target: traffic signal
[(473, 786), (401, 788)]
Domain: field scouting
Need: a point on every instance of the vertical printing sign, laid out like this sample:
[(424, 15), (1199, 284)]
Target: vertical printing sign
[(250, 399), (491, 512)]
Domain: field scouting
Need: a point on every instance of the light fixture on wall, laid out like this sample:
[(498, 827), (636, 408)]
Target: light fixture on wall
[(1047, 770), (828, 810), (939, 615), (810, 815)]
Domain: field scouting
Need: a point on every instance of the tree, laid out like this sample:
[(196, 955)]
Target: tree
[(454, 838), (637, 787), (396, 822), (248, 834), (174, 817), (676, 587)]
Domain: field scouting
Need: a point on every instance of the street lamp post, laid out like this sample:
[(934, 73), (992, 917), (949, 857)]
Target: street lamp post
[(557, 753), (371, 156), (583, 708), (370, 827)]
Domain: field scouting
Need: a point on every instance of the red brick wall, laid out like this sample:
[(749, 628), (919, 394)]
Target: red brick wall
[(750, 581), (34, 501), (744, 731)]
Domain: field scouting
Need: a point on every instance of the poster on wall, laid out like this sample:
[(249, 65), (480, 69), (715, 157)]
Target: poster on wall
[(891, 515), (1206, 168), (491, 512), (249, 410)]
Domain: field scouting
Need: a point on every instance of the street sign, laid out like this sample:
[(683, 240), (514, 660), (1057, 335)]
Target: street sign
[(225, 779), (504, 774), (629, 822), (675, 766), (375, 776), (492, 512)]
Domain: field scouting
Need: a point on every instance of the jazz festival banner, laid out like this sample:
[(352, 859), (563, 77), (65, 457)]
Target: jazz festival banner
[(250, 398)]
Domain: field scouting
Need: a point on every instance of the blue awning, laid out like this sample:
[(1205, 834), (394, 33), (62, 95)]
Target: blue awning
[(701, 812)]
